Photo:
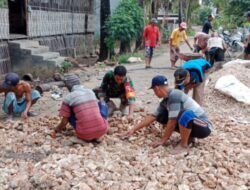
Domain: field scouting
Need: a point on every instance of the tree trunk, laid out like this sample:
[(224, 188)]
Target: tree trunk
[(125, 47), (188, 8), (180, 11), (139, 40), (105, 13)]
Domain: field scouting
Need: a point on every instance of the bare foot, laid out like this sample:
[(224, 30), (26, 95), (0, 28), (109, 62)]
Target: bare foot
[(180, 150), (9, 119)]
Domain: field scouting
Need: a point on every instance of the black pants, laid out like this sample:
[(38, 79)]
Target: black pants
[(216, 54)]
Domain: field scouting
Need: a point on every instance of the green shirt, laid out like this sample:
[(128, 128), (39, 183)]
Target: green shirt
[(111, 89)]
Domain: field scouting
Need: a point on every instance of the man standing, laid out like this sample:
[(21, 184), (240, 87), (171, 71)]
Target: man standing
[(207, 25), (116, 84), (151, 37), (247, 43), (216, 48), (178, 35), (81, 109), (193, 75), (184, 115), (18, 96)]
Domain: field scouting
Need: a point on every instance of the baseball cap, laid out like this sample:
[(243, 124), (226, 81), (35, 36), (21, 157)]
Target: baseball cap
[(183, 25), (158, 80), (11, 79), (247, 14), (180, 75), (154, 20)]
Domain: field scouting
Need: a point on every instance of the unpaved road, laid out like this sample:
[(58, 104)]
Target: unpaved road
[(31, 159)]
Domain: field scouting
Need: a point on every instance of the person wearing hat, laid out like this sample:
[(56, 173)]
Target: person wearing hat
[(247, 43), (18, 96), (193, 75), (178, 35), (151, 37), (82, 110), (207, 25), (184, 115), (116, 84)]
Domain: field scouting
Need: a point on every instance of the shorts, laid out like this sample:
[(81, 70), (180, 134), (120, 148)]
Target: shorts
[(149, 51), (122, 96), (18, 105), (216, 54), (247, 49), (174, 53), (200, 127)]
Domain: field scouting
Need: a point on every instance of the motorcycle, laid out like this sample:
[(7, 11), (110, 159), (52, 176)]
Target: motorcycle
[(233, 41)]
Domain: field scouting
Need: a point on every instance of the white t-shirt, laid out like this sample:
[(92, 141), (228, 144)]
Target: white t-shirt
[(215, 42)]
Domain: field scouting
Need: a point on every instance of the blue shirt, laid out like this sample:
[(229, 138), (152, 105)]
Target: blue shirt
[(197, 68)]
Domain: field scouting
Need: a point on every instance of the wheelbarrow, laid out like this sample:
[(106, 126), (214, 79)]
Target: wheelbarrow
[(190, 56)]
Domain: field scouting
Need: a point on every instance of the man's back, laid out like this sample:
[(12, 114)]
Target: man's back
[(202, 38), (197, 68), (178, 101), (215, 42), (82, 103)]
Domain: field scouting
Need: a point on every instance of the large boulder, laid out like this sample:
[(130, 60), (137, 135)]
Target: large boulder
[(237, 62), (231, 86)]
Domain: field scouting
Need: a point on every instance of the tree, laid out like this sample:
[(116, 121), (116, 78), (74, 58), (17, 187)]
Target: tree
[(232, 12), (105, 13), (125, 25)]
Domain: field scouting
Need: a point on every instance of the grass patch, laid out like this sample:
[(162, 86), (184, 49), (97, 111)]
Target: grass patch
[(123, 58), (191, 32)]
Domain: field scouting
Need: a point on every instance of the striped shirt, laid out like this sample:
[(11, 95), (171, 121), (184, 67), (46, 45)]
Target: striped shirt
[(83, 104), (176, 102)]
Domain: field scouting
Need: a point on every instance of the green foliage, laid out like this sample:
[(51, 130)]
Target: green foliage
[(3, 3), (125, 24), (190, 32), (201, 14), (165, 34), (65, 67), (231, 14)]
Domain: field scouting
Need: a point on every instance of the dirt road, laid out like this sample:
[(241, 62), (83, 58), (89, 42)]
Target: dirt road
[(31, 159)]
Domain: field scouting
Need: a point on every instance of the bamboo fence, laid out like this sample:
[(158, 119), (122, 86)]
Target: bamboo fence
[(70, 45), (74, 6), (5, 64), (4, 23)]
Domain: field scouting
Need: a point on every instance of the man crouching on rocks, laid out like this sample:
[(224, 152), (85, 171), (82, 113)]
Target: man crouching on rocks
[(18, 96), (85, 114), (184, 115)]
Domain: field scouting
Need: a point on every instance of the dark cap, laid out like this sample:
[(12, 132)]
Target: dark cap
[(159, 80), (180, 75), (247, 14), (154, 20), (11, 79)]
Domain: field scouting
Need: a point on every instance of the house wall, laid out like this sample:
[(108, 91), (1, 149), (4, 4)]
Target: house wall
[(4, 23), (65, 26), (5, 65), (61, 18)]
